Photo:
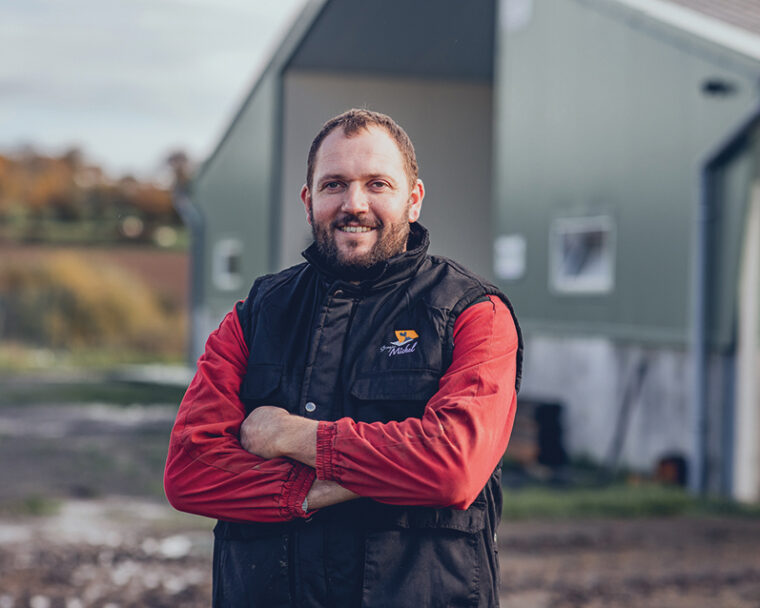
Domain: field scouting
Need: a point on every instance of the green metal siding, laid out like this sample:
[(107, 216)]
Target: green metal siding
[(728, 221), (601, 113), (234, 191)]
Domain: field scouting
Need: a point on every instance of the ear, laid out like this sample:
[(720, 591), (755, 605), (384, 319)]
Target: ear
[(415, 201), (306, 198)]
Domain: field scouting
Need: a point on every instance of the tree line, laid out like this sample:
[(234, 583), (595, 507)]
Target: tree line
[(50, 198)]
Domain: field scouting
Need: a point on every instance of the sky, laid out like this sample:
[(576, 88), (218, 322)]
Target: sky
[(128, 81)]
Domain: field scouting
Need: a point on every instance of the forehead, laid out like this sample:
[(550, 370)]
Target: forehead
[(370, 151)]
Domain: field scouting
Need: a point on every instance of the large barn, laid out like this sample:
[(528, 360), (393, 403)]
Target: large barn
[(598, 159)]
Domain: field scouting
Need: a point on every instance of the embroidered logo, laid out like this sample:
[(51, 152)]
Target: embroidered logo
[(406, 342)]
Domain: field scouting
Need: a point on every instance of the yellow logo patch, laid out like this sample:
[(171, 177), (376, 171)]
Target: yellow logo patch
[(405, 344), (404, 335)]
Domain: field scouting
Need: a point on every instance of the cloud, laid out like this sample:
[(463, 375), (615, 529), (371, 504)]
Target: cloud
[(90, 69)]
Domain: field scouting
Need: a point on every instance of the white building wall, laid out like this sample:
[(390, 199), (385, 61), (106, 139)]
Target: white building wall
[(590, 377), (747, 420)]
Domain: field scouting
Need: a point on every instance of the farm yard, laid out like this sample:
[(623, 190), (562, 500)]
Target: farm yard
[(604, 176), (83, 522)]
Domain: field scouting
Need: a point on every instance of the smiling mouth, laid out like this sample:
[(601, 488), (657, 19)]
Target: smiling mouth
[(355, 229)]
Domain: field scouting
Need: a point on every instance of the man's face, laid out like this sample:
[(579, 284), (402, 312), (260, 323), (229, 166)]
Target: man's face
[(361, 203)]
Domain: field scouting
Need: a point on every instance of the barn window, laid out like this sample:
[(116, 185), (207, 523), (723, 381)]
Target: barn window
[(509, 256), (227, 258), (515, 14), (582, 255)]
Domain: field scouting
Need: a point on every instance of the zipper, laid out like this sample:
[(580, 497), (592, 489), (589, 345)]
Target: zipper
[(340, 383)]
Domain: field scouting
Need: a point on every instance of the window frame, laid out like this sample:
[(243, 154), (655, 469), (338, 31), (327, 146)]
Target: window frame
[(564, 284), (223, 278)]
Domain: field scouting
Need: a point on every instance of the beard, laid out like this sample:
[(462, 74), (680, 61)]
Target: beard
[(391, 240)]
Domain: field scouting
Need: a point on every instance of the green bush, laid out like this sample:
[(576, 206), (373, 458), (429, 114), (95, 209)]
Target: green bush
[(615, 500), (69, 302)]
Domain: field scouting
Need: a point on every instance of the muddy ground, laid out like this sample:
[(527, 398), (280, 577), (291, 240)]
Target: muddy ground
[(654, 563), (83, 524), (110, 553)]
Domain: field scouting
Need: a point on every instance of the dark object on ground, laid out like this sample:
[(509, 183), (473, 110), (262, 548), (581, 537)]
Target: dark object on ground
[(551, 447), (672, 469), (538, 435)]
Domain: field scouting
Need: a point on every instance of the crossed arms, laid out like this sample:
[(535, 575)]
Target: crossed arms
[(441, 459), (271, 432)]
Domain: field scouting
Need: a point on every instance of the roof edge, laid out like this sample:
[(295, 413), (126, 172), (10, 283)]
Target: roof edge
[(292, 34), (709, 28)]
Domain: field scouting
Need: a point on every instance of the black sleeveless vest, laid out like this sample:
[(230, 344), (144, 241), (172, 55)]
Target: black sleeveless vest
[(323, 347)]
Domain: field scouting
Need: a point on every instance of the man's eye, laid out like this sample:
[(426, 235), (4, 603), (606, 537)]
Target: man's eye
[(379, 185), (332, 185)]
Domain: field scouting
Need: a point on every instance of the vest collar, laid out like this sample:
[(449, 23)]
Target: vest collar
[(395, 269)]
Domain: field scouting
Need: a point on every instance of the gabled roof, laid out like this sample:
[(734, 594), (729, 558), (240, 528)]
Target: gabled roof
[(732, 24), (385, 37)]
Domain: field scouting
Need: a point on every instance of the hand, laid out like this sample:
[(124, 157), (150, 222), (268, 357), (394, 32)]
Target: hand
[(272, 432), (262, 429)]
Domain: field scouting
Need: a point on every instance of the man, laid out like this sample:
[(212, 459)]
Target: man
[(347, 420)]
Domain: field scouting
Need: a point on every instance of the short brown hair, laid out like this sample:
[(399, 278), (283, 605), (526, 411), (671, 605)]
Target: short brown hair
[(355, 120)]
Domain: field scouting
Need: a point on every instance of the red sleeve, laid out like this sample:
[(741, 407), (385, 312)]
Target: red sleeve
[(207, 470), (446, 457)]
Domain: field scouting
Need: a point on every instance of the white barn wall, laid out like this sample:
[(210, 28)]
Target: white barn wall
[(747, 433), (450, 124), (589, 377)]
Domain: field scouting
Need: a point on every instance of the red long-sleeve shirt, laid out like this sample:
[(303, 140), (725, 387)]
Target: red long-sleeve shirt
[(441, 459)]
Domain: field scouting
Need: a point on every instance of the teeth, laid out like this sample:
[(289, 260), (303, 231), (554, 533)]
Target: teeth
[(354, 228)]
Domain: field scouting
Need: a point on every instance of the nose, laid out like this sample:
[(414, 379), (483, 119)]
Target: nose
[(355, 200)]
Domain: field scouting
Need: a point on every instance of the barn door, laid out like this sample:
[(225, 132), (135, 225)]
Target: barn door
[(747, 420)]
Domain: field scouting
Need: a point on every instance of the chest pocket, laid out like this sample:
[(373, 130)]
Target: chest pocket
[(392, 394)]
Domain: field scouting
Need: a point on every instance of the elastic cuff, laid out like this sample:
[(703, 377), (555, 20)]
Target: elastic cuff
[(326, 432), (295, 489)]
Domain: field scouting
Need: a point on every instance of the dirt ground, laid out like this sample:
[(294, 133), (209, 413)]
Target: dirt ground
[(83, 524), (653, 563), (126, 553)]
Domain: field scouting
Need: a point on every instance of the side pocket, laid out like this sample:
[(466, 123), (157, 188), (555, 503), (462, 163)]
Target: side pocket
[(421, 567), (251, 572), (430, 557)]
